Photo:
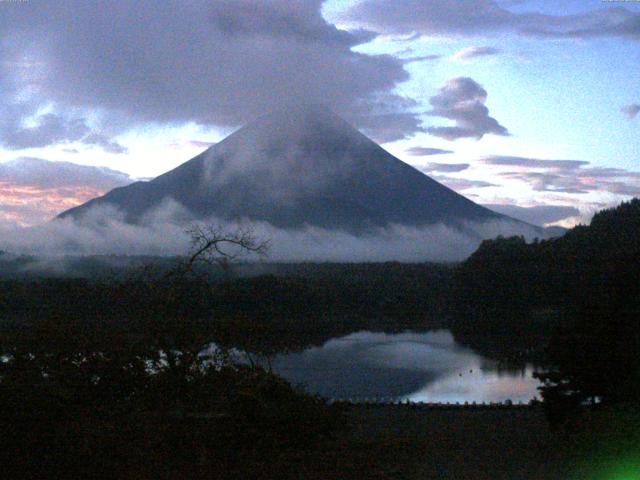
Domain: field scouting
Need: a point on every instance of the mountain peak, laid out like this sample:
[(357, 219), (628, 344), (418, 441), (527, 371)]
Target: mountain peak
[(296, 123), (299, 166), (307, 110)]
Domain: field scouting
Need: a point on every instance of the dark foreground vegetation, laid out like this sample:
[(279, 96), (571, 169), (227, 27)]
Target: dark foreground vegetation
[(581, 292), (295, 307), (107, 377), (498, 444)]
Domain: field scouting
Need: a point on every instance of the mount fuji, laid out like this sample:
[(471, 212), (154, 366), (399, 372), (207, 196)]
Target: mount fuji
[(300, 167)]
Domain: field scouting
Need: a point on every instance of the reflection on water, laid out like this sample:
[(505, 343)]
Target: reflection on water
[(427, 367)]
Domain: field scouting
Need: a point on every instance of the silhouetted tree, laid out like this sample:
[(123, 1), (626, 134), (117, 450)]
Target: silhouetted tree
[(594, 355), (86, 398)]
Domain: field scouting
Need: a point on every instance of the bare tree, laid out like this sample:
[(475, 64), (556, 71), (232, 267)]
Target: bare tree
[(215, 245)]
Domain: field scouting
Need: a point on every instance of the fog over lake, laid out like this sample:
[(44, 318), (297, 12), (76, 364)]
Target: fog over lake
[(427, 367)]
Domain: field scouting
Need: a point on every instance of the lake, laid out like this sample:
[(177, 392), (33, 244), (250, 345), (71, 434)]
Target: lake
[(419, 367)]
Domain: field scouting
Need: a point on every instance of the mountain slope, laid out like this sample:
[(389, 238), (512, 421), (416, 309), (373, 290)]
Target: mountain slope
[(299, 167)]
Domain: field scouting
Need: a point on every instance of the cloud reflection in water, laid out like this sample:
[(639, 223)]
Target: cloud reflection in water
[(427, 367)]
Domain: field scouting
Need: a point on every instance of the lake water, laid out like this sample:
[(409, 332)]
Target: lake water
[(426, 367)]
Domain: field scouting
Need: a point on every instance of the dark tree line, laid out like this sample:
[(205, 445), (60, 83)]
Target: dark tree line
[(294, 307), (582, 291)]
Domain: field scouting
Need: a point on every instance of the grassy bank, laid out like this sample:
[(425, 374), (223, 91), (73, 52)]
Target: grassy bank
[(482, 444)]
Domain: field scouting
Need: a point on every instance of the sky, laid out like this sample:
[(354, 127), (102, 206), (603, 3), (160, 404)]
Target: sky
[(529, 106)]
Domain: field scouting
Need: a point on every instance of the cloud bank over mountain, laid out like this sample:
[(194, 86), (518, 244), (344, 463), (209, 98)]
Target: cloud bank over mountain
[(215, 63), (303, 178)]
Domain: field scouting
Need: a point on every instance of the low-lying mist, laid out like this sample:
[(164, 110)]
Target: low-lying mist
[(102, 231)]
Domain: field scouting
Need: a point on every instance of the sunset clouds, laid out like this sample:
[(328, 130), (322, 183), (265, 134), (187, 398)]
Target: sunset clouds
[(33, 190), (567, 176)]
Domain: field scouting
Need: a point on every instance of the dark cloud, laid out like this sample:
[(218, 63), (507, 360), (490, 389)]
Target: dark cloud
[(445, 167), (216, 63), (537, 215), (425, 151), (474, 52), (567, 176), (51, 129), (463, 100), (104, 142), (481, 17), (631, 110)]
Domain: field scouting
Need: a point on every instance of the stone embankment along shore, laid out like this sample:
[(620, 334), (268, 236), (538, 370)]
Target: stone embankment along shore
[(374, 402)]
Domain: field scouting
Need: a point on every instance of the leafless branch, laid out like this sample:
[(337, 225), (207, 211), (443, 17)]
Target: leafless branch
[(213, 245)]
